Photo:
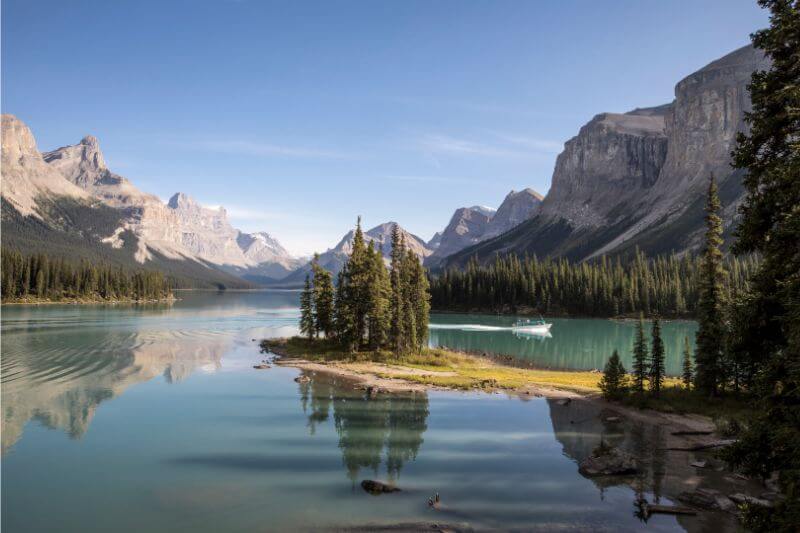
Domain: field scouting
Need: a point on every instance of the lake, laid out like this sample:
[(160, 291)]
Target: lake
[(134, 418), (573, 343)]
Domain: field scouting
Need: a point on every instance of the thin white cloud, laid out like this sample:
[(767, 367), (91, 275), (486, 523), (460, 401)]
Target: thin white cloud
[(446, 144), (532, 143), (263, 149), (433, 179), (255, 214), (501, 145)]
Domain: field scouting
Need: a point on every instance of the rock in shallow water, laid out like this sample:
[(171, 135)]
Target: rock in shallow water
[(611, 462), (377, 487), (708, 499)]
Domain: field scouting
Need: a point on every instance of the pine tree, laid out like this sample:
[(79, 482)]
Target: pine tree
[(307, 310), (420, 300), (397, 331), (657, 356), (687, 364), (323, 299), (378, 315), (710, 332), (614, 382), (640, 369), (770, 225)]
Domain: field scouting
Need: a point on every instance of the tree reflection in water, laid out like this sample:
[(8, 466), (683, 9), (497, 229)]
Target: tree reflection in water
[(367, 426)]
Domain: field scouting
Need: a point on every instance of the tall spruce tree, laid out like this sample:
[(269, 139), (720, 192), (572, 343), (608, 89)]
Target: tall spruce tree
[(397, 331), (408, 317), (770, 225), (710, 306), (378, 316), (640, 369), (614, 383), (687, 372), (323, 299), (420, 300), (657, 356), (307, 310)]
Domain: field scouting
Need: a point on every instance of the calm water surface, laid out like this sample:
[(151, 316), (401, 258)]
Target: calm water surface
[(151, 418), (573, 343)]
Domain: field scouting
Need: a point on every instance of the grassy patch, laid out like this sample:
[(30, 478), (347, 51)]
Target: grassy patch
[(726, 410), (463, 371)]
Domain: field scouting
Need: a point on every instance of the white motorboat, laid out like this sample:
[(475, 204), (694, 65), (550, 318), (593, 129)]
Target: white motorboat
[(536, 327)]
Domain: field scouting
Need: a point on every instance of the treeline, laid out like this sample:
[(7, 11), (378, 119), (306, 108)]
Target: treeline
[(665, 286), (371, 307), (40, 277)]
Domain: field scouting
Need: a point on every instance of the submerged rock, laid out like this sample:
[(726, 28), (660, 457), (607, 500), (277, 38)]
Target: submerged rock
[(698, 464), (377, 487), (608, 462), (708, 499), (302, 379)]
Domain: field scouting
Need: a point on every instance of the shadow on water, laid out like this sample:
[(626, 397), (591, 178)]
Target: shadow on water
[(581, 426), (386, 428)]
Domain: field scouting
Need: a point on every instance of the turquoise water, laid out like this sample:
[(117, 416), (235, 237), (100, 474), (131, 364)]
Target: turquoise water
[(151, 418), (573, 343)]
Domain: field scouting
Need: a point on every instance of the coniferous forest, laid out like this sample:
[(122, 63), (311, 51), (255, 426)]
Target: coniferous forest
[(39, 277), (664, 286), (370, 307)]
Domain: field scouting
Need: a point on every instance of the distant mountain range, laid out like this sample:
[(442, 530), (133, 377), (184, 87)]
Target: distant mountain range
[(638, 179), (69, 196), (627, 180)]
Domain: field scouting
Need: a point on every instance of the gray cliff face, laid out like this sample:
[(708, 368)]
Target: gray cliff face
[(638, 179), (517, 207), (615, 158), (701, 128)]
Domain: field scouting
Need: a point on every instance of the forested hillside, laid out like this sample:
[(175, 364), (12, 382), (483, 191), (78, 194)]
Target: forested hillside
[(667, 286)]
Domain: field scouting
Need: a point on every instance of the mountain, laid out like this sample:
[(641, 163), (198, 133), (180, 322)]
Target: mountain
[(638, 179), (71, 190), (517, 207), (435, 241), (471, 225), (381, 236), (26, 176), (466, 227)]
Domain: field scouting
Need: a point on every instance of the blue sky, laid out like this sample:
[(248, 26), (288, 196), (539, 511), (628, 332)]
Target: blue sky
[(298, 116)]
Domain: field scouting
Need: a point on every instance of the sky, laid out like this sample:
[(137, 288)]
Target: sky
[(298, 116)]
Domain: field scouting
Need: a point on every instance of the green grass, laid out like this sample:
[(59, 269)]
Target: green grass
[(726, 410), (461, 371)]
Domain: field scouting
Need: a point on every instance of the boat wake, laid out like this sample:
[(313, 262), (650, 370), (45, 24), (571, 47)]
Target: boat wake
[(469, 327)]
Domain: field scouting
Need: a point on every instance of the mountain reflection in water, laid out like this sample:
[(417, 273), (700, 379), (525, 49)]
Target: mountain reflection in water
[(62, 390)]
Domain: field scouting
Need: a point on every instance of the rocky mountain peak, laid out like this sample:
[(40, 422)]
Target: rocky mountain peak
[(181, 200), (517, 207), (17, 139), (26, 176)]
